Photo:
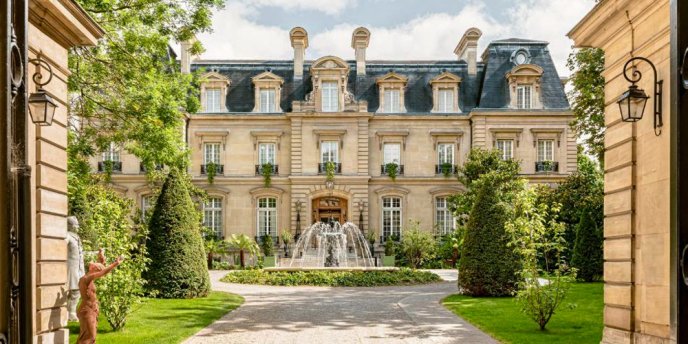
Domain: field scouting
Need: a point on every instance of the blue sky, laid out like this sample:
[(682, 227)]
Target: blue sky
[(400, 29)]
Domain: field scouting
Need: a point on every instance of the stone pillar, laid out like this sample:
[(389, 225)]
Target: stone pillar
[(299, 41), (467, 49), (359, 41)]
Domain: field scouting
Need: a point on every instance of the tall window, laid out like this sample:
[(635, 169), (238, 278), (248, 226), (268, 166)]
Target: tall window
[(146, 205), (267, 100), (545, 150), (266, 153), (212, 215), (112, 153), (446, 100), (329, 151), (445, 153), (212, 99), (330, 96), (391, 216), (211, 153), (443, 217), (506, 149), (525, 96), (392, 153), (267, 216), (392, 101)]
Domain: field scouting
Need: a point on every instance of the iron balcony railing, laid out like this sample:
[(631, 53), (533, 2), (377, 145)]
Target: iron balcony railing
[(322, 168), (219, 169), (259, 170), (400, 170), (439, 170), (116, 166), (547, 166)]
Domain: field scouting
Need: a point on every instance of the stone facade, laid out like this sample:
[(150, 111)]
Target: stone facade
[(379, 106), (637, 176)]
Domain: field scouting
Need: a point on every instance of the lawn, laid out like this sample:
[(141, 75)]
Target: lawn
[(502, 319), (165, 320)]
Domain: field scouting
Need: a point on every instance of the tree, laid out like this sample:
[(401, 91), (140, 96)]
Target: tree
[(243, 244), (587, 98), (418, 246), (177, 267), (213, 246), (487, 266), (587, 252)]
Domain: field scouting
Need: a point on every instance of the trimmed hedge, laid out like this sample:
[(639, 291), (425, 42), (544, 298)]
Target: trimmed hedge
[(331, 278), (487, 266), (178, 267), (587, 251)]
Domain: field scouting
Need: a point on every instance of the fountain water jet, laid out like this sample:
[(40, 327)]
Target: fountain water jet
[(332, 246)]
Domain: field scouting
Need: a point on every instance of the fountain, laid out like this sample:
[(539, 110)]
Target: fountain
[(332, 246)]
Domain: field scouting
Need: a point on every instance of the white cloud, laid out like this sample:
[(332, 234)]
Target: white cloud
[(326, 6)]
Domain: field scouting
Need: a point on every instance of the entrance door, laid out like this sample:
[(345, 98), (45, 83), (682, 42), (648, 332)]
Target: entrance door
[(329, 210)]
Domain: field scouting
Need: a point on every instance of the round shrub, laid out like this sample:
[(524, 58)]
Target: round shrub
[(178, 267)]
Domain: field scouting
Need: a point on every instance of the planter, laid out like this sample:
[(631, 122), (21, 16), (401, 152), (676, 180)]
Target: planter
[(269, 261), (387, 260)]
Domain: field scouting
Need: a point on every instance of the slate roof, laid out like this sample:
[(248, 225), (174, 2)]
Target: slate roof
[(485, 90)]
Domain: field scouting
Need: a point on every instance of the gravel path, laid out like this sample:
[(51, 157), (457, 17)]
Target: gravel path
[(401, 314)]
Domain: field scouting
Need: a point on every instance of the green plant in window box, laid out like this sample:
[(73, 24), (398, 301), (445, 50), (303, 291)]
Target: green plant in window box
[(211, 171), (266, 170), (330, 169), (548, 165), (392, 170), (390, 251), (447, 169), (268, 248)]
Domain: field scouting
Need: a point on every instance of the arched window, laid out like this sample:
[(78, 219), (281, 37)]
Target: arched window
[(267, 216)]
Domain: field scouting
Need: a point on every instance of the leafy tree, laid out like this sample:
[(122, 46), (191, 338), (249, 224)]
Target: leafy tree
[(267, 246), (214, 246), (587, 252), (245, 245), (587, 98), (177, 267), (418, 246)]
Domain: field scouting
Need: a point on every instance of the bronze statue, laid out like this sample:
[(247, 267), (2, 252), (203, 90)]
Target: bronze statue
[(88, 309)]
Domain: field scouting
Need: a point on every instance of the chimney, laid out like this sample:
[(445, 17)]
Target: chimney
[(467, 49), (359, 41), (186, 56), (299, 41)]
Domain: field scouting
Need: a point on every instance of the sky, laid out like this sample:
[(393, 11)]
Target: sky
[(400, 29)]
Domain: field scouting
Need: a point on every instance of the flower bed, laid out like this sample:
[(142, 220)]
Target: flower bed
[(332, 278)]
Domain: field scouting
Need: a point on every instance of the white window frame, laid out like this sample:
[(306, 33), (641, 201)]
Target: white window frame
[(392, 209), (212, 215), (545, 153), (211, 153), (444, 219), (446, 100), (392, 100), (266, 216), (268, 98), (146, 205), (329, 151), (213, 101), (391, 153), (111, 154), (524, 94), (501, 144), (267, 153), (444, 149), (329, 96)]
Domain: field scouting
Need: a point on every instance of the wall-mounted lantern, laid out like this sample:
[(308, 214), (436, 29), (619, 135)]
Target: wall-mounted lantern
[(632, 102), (41, 105)]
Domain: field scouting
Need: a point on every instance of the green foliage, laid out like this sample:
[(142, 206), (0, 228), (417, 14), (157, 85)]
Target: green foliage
[(532, 236), (266, 170), (105, 224), (211, 171), (244, 245), (214, 247), (267, 246), (417, 246), (371, 237), (447, 169), (108, 167), (330, 169), (449, 248), (390, 247), (332, 278), (587, 98), (177, 267), (587, 252), (287, 236), (488, 266), (392, 170)]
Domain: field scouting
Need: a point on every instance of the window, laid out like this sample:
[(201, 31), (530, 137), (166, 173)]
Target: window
[(212, 215), (329, 151), (444, 220), (267, 216), (212, 99), (146, 205), (392, 153), (545, 150), (445, 153), (330, 96), (112, 153), (446, 100), (211, 153), (266, 153), (506, 148), (524, 93), (267, 100), (392, 101), (391, 216)]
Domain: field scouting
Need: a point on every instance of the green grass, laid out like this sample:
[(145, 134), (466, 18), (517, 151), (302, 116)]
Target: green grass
[(503, 320), (328, 278), (165, 320)]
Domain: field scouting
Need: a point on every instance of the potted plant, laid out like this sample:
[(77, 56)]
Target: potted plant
[(392, 169), (447, 169), (268, 248), (390, 248), (211, 171), (287, 238)]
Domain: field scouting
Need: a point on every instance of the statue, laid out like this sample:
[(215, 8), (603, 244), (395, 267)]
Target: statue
[(75, 265), (88, 309)]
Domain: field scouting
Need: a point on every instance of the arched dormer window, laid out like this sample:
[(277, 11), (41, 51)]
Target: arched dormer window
[(445, 93), (213, 91), (268, 87), (524, 86), (392, 87), (330, 76)]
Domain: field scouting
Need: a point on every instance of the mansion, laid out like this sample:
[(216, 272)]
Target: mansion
[(425, 116)]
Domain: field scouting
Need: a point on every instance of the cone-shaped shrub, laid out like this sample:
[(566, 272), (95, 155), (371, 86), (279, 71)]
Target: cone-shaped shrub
[(587, 252), (488, 266), (177, 267)]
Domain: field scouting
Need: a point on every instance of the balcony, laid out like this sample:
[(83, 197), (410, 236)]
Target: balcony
[(219, 169), (116, 166), (546, 166), (143, 169), (454, 169), (400, 170), (322, 168), (259, 170)]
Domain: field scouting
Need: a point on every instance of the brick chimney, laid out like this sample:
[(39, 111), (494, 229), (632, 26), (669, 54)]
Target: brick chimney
[(359, 41), (299, 41), (467, 49)]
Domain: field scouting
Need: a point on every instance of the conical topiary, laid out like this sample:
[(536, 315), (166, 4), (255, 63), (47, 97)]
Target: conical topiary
[(177, 267)]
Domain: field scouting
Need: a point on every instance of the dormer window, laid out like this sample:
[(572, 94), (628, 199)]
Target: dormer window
[(445, 93), (329, 96), (524, 87), (213, 91), (268, 88), (524, 94), (212, 100), (392, 86)]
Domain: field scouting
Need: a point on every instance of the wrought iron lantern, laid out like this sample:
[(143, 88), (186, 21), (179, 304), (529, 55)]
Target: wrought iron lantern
[(41, 105), (632, 102)]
